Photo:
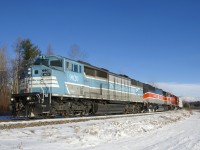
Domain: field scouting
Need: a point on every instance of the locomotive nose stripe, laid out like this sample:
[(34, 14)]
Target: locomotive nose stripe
[(38, 82)]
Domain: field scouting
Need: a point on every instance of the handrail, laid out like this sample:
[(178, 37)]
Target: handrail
[(48, 89), (42, 81), (40, 87)]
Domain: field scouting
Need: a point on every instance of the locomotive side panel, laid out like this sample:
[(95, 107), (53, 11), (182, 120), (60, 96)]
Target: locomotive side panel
[(95, 83), (112, 92), (136, 91), (119, 88)]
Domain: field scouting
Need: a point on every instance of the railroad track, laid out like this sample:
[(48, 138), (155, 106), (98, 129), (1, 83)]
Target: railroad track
[(13, 124)]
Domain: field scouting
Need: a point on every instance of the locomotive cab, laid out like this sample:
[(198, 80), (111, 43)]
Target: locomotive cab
[(36, 84)]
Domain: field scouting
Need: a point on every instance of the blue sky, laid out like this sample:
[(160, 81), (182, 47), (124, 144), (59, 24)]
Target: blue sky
[(152, 41)]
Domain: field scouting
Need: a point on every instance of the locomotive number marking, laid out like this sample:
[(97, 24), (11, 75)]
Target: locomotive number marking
[(73, 78)]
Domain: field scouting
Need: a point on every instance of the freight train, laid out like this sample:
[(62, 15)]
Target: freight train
[(56, 85)]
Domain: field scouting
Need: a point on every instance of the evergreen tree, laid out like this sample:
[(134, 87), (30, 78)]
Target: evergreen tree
[(26, 54), (29, 52)]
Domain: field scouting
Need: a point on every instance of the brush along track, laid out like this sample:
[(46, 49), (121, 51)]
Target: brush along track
[(8, 124)]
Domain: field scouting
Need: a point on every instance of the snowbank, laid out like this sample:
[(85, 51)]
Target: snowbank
[(87, 134)]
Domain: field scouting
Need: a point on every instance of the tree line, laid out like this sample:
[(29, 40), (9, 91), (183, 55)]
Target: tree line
[(10, 68)]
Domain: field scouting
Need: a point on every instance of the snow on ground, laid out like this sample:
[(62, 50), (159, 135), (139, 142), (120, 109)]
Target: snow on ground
[(169, 130)]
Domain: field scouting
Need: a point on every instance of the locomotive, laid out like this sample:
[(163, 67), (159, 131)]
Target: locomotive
[(55, 85)]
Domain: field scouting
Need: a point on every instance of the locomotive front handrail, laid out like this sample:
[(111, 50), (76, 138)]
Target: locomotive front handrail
[(40, 87), (42, 80)]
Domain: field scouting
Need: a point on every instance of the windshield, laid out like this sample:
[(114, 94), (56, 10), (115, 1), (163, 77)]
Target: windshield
[(56, 63), (44, 62)]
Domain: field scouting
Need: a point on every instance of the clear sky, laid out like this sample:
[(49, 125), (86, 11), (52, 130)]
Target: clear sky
[(149, 40)]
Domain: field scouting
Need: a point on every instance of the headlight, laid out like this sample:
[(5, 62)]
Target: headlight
[(12, 99), (28, 98)]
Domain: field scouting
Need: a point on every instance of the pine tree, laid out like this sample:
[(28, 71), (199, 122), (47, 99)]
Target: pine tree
[(26, 54), (29, 52)]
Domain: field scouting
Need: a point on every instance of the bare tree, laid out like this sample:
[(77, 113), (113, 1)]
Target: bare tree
[(4, 81), (76, 54), (14, 73), (3, 67), (16, 66), (50, 50)]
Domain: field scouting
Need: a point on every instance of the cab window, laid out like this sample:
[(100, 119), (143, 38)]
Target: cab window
[(41, 62), (56, 63), (75, 68)]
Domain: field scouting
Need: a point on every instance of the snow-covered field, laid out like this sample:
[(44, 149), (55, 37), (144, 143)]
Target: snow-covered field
[(170, 130)]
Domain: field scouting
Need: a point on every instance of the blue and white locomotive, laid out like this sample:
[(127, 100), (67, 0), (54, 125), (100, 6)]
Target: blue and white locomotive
[(56, 85)]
